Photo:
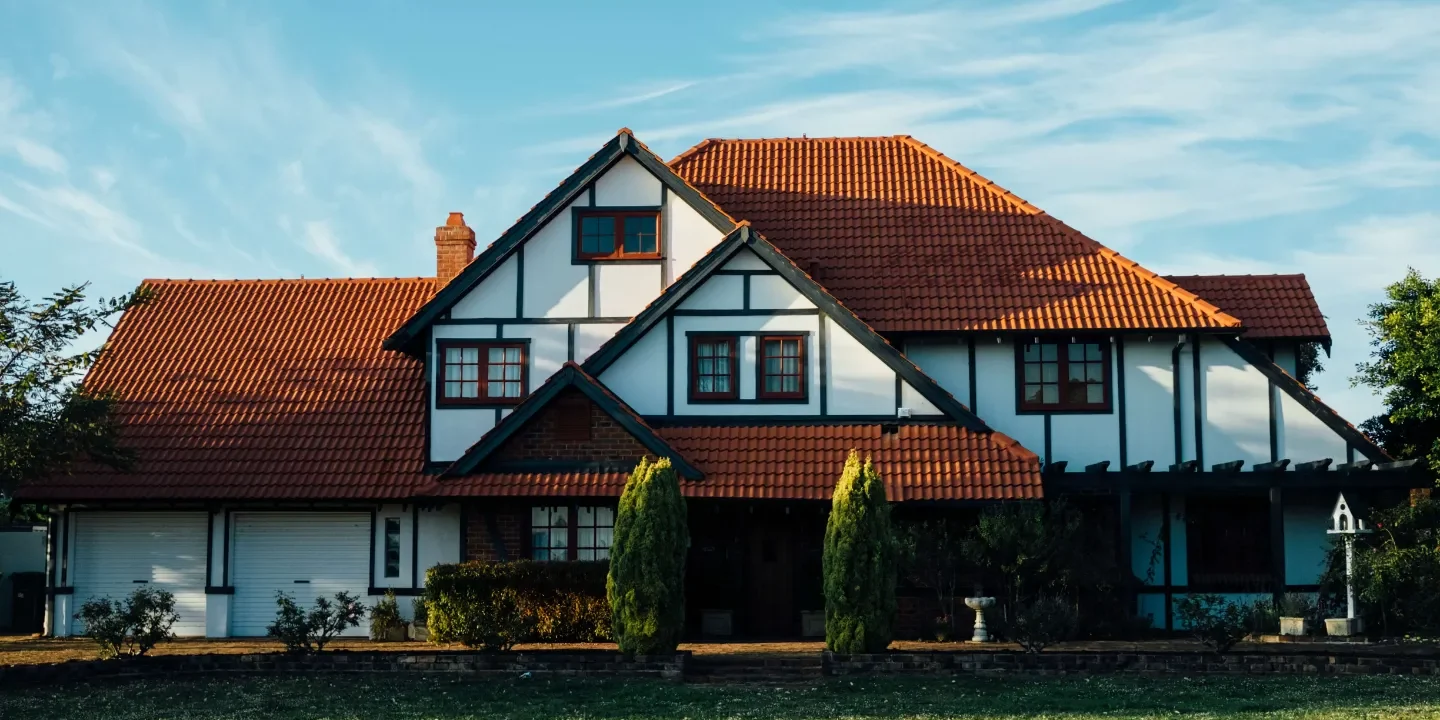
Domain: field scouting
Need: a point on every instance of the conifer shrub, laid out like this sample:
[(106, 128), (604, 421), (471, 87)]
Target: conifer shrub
[(496, 605), (646, 586), (859, 563)]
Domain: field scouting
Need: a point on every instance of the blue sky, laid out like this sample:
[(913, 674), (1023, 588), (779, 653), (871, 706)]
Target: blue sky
[(279, 139)]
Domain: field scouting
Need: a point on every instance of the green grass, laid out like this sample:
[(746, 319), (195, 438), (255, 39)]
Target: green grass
[(447, 698)]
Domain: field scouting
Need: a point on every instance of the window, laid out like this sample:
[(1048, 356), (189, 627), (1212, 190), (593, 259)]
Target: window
[(550, 533), (1057, 376), (713, 368), (481, 373), (617, 235), (1228, 543), (782, 367), (554, 530), (392, 547)]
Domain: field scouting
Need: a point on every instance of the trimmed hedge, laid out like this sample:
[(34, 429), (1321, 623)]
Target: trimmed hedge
[(496, 605)]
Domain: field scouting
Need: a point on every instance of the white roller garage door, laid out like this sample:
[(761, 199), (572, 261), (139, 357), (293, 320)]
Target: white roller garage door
[(115, 553), (305, 555)]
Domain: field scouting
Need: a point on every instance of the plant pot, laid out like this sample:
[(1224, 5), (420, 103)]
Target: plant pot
[(717, 623), (1294, 626), (1342, 627), (420, 633), (812, 623)]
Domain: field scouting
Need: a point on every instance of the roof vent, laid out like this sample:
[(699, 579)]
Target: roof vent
[(903, 412)]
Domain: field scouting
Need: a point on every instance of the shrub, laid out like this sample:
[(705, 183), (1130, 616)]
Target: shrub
[(646, 586), (1397, 571), (308, 632), (1217, 623), (132, 627), (496, 605), (385, 617), (1299, 605), (420, 611), (1262, 617), (859, 563), (1041, 623)]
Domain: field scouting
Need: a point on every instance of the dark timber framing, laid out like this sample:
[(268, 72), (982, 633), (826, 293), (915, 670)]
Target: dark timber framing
[(970, 345), (581, 181), (1175, 394), (1120, 408), (823, 363), (414, 545), (571, 375), (1198, 391), (744, 237)]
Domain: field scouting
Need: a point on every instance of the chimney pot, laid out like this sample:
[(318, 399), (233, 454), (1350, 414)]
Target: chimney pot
[(454, 247)]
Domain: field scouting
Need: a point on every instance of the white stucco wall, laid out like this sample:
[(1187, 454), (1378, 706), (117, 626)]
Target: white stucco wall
[(1149, 387), (624, 289), (627, 184), (720, 292), (773, 292), (859, 383), (638, 375), (688, 234), (947, 362), (590, 336), (439, 538), (1237, 407), (554, 286), (995, 394), (494, 297)]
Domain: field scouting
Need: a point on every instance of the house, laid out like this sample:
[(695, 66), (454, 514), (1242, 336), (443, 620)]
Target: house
[(752, 309)]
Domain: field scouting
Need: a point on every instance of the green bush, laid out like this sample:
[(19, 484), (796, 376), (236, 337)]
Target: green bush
[(496, 605), (420, 611), (1397, 571), (1299, 605), (1214, 621), (309, 631), (646, 586), (859, 563), (1041, 623), (129, 628), (1262, 617), (385, 617)]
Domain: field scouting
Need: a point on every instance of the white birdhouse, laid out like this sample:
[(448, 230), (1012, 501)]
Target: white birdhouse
[(1345, 518)]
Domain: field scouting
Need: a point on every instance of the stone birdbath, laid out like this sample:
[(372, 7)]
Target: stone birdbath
[(980, 605)]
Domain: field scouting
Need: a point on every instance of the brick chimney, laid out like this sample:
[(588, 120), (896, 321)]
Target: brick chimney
[(454, 247)]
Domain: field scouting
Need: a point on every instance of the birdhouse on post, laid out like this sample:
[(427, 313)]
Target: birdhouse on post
[(1347, 521)]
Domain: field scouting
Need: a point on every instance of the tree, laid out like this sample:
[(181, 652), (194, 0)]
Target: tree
[(931, 553), (646, 585), (1405, 368), (859, 563), (47, 417)]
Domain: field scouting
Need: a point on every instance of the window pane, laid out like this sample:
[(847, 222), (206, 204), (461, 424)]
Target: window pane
[(704, 350), (470, 390), (560, 516), (722, 366), (1095, 394), (585, 517), (1092, 352), (1033, 393), (722, 349), (706, 366), (1094, 372), (1075, 394), (1032, 353), (452, 372), (512, 389), (540, 540), (539, 517), (602, 554), (604, 537), (1032, 373), (640, 234), (585, 555), (1049, 353), (512, 355), (1050, 372), (452, 389), (791, 366), (1075, 372), (1050, 394), (772, 383), (495, 372), (772, 365), (496, 355), (470, 355), (605, 517), (792, 384), (469, 372), (1075, 352), (452, 355), (512, 372), (722, 383), (585, 537)]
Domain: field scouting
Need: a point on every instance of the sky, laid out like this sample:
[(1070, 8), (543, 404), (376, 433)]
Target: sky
[(250, 139)]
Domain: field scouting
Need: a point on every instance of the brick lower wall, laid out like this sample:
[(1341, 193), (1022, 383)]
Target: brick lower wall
[(542, 439), (510, 522), (474, 664), (1124, 663)]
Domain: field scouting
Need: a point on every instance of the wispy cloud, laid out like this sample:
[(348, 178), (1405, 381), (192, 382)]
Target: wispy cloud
[(321, 242)]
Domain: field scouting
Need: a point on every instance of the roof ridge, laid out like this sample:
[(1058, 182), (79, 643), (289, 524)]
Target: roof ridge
[(1238, 275), (278, 281), (1155, 279)]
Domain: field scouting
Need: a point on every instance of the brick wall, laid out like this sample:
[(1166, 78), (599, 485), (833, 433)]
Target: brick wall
[(510, 518), (540, 439)]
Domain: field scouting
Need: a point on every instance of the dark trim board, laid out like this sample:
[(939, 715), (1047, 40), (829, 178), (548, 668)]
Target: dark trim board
[(225, 543), (670, 365), (974, 402), (372, 548), (732, 420), (397, 591), (569, 190), (744, 237), (1175, 395), (1197, 380), (67, 524), (1211, 481), (1292, 387), (414, 545), (530, 321), (219, 590), (209, 547), (822, 364), (747, 312), (520, 281), (1121, 410)]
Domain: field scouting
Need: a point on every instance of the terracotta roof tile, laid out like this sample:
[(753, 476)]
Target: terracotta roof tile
[(1270, 306), (911, 240), (274, 389), (802, 462)]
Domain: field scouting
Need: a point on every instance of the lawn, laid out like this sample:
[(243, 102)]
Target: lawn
[(448, 698)]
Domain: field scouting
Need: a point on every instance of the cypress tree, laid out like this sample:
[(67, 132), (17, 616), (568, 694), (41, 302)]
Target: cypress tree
[(859, 562), (646, 586)]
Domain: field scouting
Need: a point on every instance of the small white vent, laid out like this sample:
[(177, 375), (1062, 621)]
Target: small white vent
[(902, 412)]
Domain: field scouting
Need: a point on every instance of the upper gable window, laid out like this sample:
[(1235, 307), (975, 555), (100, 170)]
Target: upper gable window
[(617, 234), (481, 373), (713, 367), (782, 367), (1056, 376)]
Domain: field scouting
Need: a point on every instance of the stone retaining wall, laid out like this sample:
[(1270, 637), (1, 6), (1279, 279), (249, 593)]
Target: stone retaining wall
[(1139, 663), (477, 664)]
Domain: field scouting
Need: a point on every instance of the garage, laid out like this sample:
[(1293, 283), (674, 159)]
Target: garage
[(115, 553), (305, 555)]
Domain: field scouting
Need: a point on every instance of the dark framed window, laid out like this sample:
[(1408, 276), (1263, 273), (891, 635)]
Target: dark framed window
[(555, 531), (1227, 543), (1061, 375), (714, 367), (781, 361), (392, 547), (481, 373), (617, 234)]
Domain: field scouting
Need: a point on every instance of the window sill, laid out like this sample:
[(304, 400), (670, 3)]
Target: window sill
[(1066, 411), (478, 405)]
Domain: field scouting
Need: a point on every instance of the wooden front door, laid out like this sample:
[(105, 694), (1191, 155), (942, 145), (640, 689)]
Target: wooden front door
[(771, 591)]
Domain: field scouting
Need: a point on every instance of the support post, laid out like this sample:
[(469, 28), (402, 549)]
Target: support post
[(1169, 587), (1277, 543), (1127, 563)]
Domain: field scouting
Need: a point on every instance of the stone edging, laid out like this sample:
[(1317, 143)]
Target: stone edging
[(468, 663), (1129, 663)]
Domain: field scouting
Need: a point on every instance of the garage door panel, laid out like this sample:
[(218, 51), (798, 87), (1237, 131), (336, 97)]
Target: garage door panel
[(304, 555), (115, 553)]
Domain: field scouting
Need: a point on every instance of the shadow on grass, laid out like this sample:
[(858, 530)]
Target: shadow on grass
[(336, 696)]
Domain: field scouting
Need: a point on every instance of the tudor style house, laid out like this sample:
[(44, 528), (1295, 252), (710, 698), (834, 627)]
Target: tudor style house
[(752, 309)]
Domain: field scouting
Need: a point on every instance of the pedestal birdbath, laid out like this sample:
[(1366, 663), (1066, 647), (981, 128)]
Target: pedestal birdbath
[(980, 605)]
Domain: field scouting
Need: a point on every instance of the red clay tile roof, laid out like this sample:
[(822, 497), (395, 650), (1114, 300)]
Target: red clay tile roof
[(911, 240), (1271, 306), (790, 462), (273, 389)]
